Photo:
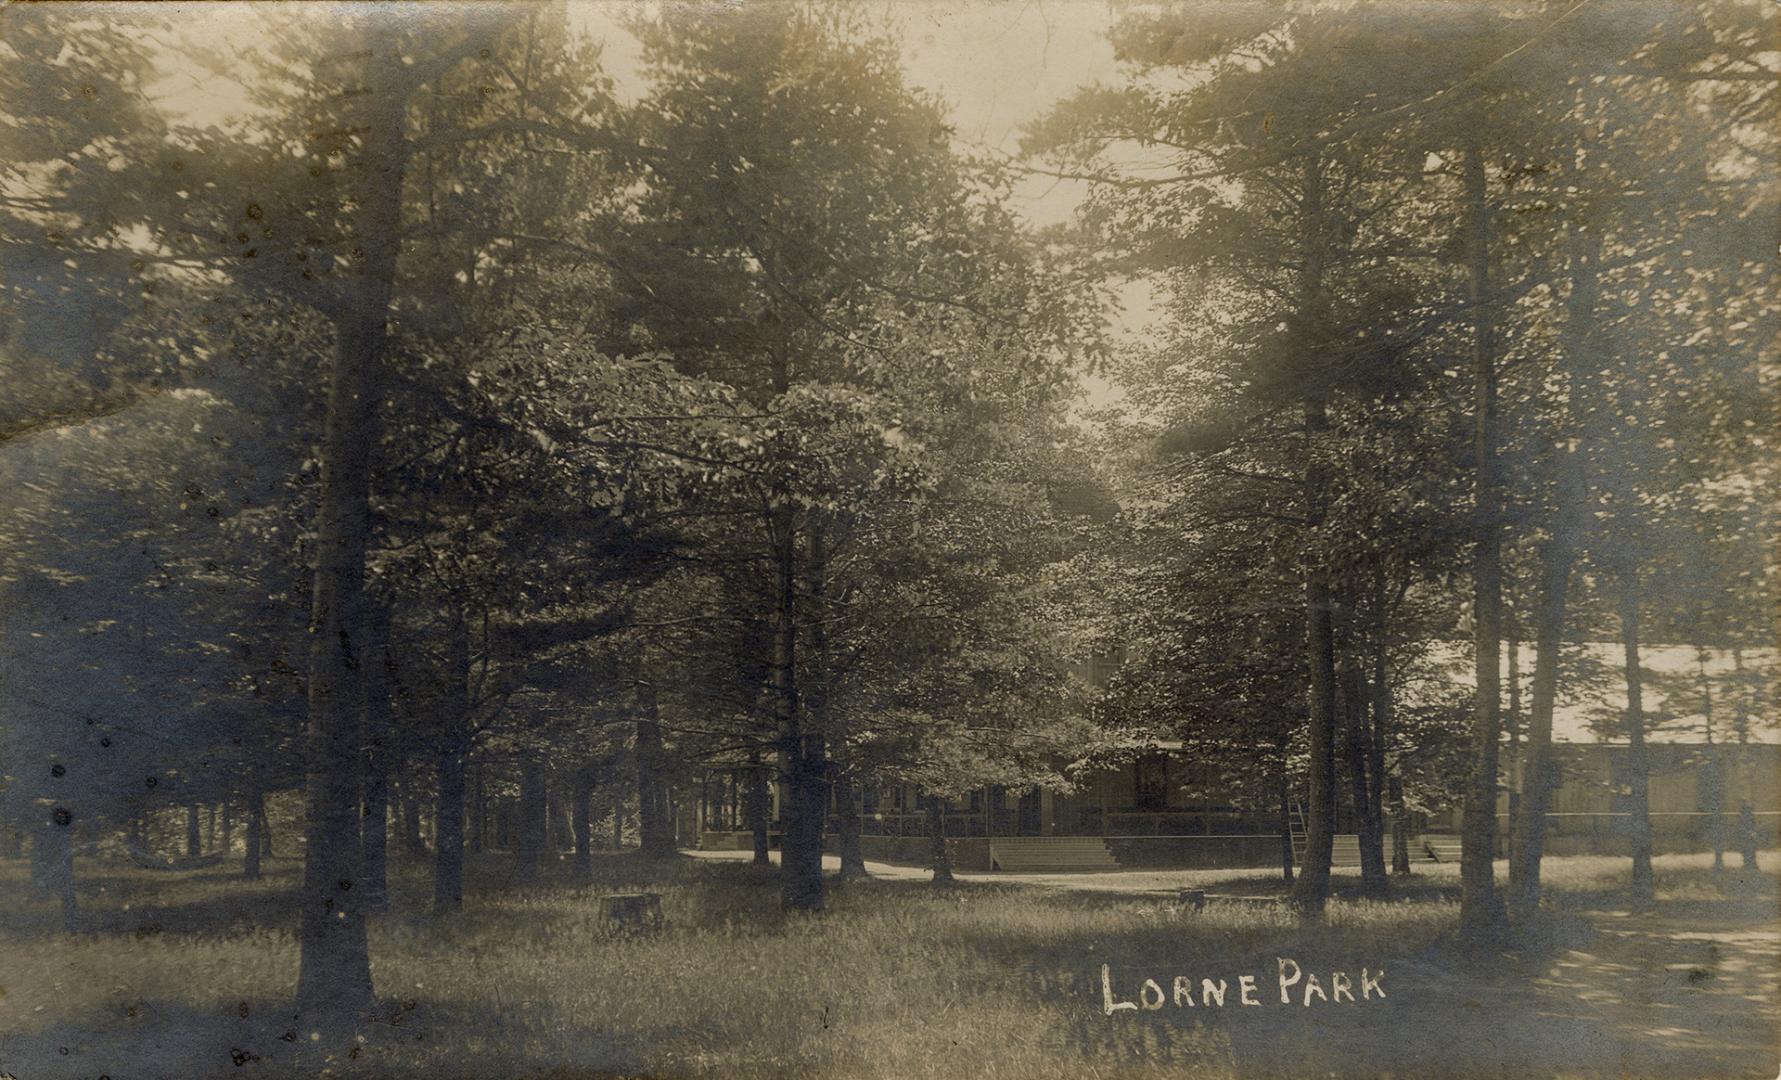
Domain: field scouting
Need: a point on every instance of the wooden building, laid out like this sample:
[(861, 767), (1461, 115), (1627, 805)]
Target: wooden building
[(1161, 808)]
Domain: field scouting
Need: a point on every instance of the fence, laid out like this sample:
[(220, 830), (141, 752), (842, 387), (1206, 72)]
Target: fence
[(1083, 822), (1609, 832)]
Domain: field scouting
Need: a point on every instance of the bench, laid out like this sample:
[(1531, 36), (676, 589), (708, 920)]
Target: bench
[(1440, 848)]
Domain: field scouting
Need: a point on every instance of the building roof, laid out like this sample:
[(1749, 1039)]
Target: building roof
[(1591, 704)]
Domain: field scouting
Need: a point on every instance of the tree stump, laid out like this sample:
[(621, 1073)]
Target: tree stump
[(631, 913)]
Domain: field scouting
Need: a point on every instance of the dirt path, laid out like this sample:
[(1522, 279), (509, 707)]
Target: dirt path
[(1695, 996), (1112, 881)]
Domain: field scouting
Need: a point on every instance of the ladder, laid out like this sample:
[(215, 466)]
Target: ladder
[(1296, 824)]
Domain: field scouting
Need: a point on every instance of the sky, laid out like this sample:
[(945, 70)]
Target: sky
[(996, 64)]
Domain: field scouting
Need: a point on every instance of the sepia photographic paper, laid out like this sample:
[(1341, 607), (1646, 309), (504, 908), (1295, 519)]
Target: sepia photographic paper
[(899, 539)]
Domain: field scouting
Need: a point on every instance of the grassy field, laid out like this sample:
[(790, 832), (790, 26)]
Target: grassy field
[(188, 975)]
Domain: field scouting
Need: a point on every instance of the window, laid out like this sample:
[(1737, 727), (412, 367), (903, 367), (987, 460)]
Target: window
[(1150, 782)]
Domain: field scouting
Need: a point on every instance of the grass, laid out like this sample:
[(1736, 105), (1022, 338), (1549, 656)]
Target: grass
[(189, 975)]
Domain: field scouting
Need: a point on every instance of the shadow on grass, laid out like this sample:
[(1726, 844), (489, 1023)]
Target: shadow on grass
[(1583, 993), (400, 1038), (1690, 893), (118, 899)]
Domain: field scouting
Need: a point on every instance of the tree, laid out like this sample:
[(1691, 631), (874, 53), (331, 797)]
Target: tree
[(335, 237), (77, 91), (808, 207), (1236, 106), (1293, 234)]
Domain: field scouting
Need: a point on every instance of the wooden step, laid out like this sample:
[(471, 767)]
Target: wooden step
[(1051, 853), (1344, 850), (1445, 847), (1049, 844), (1045, 866)]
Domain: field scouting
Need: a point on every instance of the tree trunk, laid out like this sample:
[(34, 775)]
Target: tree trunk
[(1712, 782), (801, 884), (1284, 783), (256, 839), (374, 830), (194, 837), (853, 861), (1359, 750), (448, 832), (265, 831), (451, 759), (1638, 780), (1713, 802), (1540, 770), (1400, 827), (479, 811), (52, 852), (942, 861), (412, 841), (529, 844), (757, 808), (801, 750), (655, 832), (811, 774), (1746, 812), (1747, 834), (1481, 910), (227, 846), (374, 823), (210, 826), (583, 825), (334, 969), (1312, 889), (1540, 774), (1386, 786), (1512, 722), (562, 829), (1374, 706)]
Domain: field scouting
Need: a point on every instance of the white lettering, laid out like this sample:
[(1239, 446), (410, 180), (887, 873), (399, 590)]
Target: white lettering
[(1311, 984), (1285, 998), (1367, 985), (1184, 991), (1208, 992), (1107, 994)]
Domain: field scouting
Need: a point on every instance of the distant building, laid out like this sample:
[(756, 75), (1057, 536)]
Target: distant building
[(1162, 808), (1710, 722)]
